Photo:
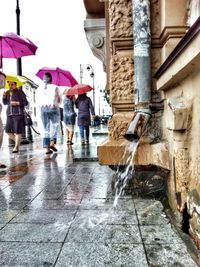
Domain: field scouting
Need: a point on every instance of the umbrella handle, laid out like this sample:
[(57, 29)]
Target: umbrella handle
[(1, 63)]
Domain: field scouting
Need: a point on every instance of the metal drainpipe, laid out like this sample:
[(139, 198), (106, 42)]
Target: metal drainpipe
[(142, 68)]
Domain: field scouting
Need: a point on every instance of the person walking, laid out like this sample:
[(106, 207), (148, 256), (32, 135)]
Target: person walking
[(85, 109), (16, 100), (49, 99), (2, 85), (69, 117)]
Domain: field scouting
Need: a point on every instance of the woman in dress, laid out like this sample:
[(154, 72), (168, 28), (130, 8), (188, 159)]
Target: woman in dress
[(16, 100), (69, 117)]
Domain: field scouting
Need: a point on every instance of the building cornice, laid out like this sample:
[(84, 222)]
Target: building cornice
[(192, 32)]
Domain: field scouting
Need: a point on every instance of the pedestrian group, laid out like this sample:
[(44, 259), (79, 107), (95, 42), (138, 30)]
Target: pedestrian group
[(49, 99)]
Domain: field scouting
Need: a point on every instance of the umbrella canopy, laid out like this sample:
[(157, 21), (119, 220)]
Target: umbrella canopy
[(13, 46), (79, 89), (60, 77), (20, 80)]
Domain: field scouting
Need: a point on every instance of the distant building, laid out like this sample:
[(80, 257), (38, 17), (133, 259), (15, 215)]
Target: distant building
[(30, 90)]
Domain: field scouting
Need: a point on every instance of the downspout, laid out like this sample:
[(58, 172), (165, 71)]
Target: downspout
[(142, 68)]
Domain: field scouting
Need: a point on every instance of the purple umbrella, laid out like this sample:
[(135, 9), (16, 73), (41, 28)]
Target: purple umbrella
[(13, 46), (60, 77)]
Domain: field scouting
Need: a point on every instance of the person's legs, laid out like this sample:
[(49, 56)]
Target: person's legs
[(2, 166), (15, 128), (87, 131), (70, 134), (53, 142), (18, 138), (67, 134), (55, 120), (11, 136), (46, 129), (81, 128), (67, 128), (9, 128)]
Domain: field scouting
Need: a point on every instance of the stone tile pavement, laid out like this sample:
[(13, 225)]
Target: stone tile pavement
[(63, 212)]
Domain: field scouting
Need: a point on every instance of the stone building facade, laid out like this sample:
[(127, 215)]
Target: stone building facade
[(172, 137)]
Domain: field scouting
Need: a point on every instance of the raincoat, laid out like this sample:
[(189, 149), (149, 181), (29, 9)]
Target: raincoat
[(15, 95), (85, 107)]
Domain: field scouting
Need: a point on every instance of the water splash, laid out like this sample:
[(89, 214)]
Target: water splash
[(123, 177)]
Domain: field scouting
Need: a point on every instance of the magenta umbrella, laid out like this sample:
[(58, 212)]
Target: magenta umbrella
[(14, 46), (60, 77)]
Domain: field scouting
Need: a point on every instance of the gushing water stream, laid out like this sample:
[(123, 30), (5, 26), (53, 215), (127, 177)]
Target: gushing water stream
[(122, 177)]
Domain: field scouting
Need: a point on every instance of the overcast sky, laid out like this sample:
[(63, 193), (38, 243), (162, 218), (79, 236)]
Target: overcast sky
[(56, 27)]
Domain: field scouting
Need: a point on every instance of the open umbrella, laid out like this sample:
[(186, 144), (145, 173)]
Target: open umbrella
[(20, 80), (60, 77), (14, 46), (79, 89)]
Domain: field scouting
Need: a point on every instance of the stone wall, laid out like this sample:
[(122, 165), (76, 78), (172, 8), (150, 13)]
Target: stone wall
[(173, 134), (121, 80), (176, 146), (184, 154), (121, 59), (121, 69), (181, 124)]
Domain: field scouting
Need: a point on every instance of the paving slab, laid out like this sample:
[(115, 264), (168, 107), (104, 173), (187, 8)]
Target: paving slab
[(109, 216), (169, 255), (7, 215), (28, 254), (90, 255), (20, 232), (8, 204), (81, 254), (161, 234), (53, 204), (23, 192), (44, 216), (92, 232), (107, 203)]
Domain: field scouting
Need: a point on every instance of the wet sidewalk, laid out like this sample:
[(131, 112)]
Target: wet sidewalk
[(61, 212)]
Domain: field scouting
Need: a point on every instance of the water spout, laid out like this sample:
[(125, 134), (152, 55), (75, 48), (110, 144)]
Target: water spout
[(137, 126), (142, 69)]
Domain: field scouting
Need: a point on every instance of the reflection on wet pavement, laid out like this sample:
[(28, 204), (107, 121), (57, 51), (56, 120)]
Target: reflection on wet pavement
[(60, 212)]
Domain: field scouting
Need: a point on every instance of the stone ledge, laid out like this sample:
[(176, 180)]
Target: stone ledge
[(118, 153)]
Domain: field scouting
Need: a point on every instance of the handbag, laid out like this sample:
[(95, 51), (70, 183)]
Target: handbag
[(27, 119)]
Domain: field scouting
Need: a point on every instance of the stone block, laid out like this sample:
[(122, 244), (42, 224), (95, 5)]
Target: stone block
[(178, 114), (122, 152)]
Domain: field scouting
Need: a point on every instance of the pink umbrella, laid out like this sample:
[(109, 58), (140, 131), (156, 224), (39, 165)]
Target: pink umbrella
[(60, 77), (13, 46)]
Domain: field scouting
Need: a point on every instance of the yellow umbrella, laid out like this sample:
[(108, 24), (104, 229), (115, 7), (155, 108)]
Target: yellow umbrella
[(15, 78)]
